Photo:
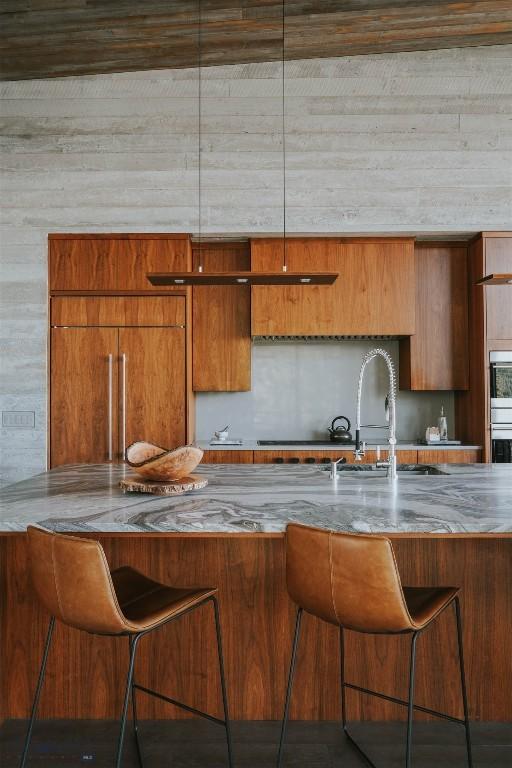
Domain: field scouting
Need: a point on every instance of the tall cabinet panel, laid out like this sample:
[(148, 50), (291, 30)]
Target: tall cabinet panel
[(498, 259), (115, 262), (152, 386), (118, 374), (436, 356), (490, 329), (221, 316), (83, 390)]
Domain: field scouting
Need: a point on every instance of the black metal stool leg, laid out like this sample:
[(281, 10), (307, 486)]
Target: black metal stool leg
[(290, 685), (129, 681), (410, 707), (134, 713), (342, 673), (37, 694), (223, 681), (463, 682), (344, 705)]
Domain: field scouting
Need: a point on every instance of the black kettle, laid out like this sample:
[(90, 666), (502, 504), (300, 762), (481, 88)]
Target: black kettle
[(340, 434)]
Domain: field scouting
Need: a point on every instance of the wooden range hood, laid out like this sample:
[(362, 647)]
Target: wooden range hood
[(242, 278)]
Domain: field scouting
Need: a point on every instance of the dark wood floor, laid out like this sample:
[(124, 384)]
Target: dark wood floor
[(194, 744)]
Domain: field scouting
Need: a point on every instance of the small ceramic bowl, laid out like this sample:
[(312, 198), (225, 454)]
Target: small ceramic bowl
[(222, 435), (158, 463)]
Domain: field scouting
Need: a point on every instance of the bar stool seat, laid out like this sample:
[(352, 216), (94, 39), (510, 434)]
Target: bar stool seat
[(352, 581), (145, 603), (74, 583), (424, 603)]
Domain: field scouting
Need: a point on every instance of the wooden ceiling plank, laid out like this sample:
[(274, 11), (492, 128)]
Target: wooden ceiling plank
[(52, 38)]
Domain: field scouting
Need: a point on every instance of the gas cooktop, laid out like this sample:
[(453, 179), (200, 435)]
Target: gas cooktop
[(327, 443)]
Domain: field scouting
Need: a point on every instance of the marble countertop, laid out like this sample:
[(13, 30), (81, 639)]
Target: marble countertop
[(252, 445), (263, 498)]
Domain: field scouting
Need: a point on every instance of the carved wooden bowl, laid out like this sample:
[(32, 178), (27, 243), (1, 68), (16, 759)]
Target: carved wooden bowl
[(158, 463)]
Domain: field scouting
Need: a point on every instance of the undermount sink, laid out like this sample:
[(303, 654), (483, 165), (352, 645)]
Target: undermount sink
[(407, 470)]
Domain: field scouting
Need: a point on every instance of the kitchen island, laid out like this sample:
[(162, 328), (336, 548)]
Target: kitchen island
[(453, 527)]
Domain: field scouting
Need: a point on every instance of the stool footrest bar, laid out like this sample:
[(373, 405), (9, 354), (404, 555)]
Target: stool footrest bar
[(403, 703), (186, 707)]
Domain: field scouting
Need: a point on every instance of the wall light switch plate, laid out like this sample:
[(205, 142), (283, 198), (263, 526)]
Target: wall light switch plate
[(19, 419)]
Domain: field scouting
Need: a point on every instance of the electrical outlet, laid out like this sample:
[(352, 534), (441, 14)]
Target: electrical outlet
[(19, 419)]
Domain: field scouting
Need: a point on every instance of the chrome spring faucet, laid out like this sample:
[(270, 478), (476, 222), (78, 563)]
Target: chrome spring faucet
[(359, 452)]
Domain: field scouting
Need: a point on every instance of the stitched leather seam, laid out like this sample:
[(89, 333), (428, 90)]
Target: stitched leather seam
[(331, 574), (400, 587), (121, 616)]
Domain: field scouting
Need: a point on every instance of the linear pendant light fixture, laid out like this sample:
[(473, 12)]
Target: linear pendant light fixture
[(200, 277)]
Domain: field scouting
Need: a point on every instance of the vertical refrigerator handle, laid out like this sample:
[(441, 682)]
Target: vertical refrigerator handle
[(123, 405), (110, 380)]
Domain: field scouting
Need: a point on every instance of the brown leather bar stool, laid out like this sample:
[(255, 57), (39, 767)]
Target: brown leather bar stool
[(74, 583), (352, 581)]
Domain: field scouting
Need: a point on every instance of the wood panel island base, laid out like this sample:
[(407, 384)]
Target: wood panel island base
[(86, 674)]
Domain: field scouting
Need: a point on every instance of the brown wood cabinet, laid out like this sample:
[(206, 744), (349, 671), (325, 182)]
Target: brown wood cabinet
[(221, 318), (111, 386), (438, 456), (498, 298), (113, 262), (436, 356), (84, 376), (490, 328), (118, 310), (153, 400), (404, 456), (227, 457), (373, 295)]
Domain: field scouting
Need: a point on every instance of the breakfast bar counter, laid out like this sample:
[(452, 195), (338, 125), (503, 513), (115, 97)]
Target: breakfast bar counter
[(245, 499), (453, 527)]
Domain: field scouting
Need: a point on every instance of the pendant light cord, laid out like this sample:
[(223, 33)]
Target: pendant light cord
[(199, 112), (284, 143), (199, 116)]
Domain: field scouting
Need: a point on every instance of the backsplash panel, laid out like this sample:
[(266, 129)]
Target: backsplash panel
[(299, 387)]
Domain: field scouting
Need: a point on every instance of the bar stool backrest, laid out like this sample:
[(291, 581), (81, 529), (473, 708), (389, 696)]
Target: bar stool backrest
[(72, 579), (351, 580)]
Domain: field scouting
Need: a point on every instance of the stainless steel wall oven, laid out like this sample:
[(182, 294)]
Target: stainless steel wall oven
[(501, 406)]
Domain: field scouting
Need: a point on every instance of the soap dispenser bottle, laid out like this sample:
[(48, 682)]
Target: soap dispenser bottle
[(442, 425)]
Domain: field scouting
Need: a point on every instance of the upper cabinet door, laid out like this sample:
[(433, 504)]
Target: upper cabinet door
[(83, 402), (373, 295), (110, 263), (498, 298), (152, 386), (221, 322), (118, 310), (436, 357)]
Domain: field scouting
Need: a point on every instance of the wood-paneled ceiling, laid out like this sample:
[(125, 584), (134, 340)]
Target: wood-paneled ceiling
[(52, 38)]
